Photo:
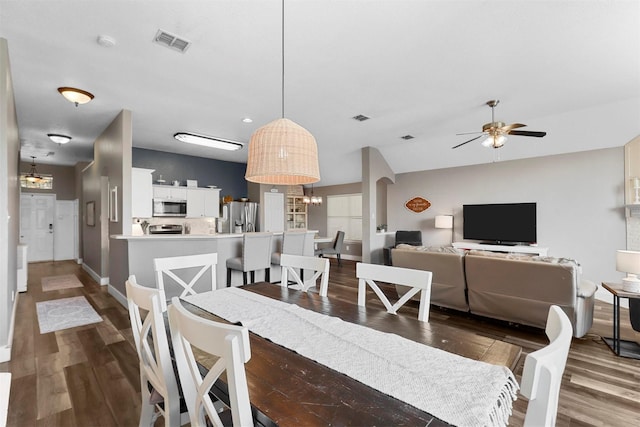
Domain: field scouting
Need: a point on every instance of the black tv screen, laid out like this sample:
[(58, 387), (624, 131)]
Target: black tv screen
[(507, 223)]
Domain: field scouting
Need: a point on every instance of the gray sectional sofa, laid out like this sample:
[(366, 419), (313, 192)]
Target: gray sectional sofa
[(511, 287)]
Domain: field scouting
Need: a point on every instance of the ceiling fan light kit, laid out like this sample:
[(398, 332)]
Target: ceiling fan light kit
[(496, 132)]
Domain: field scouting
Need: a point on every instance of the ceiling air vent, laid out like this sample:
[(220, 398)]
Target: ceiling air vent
[(361, 118), (171, 41), (407, 137)]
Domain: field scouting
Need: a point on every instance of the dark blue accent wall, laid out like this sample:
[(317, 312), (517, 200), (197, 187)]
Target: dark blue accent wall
[(228, 176)]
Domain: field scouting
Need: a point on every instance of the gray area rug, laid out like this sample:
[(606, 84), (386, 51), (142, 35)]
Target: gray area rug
[(54, 283), (65, 313)]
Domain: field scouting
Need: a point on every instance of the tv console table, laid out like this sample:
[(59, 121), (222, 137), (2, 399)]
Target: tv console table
[(521, 249)]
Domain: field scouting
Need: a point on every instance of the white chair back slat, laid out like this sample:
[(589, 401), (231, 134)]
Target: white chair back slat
[(230, 343), (152, 346), (169, 266), (543, 370), (417, 280), (291, 264)]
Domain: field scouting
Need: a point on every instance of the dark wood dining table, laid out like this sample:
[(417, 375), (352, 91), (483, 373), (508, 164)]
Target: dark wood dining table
[(291, 390)]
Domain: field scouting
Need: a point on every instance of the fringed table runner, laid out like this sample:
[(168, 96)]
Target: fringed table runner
[(453, 388)]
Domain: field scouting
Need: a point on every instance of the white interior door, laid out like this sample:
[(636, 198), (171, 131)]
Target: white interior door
[(65, 236), (36, 225), (273, 212)]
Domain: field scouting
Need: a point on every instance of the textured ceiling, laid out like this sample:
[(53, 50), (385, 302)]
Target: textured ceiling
[(425, 68)]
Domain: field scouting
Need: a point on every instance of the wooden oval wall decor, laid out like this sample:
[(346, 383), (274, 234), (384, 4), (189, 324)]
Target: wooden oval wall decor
[(417, 204)]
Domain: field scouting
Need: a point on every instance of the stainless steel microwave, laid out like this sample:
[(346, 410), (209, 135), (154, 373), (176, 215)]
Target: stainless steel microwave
[(168, 207)]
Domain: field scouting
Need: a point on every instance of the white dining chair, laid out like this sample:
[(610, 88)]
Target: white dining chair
[(230, 343), (185, 271), (543, 369), (291, 264), (152, 346), (417, 280)]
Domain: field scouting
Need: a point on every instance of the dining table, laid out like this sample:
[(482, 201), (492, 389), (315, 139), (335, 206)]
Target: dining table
[(289, 389)]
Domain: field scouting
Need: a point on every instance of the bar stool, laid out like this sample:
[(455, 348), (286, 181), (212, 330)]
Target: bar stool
[(256, 255), (293, 243)]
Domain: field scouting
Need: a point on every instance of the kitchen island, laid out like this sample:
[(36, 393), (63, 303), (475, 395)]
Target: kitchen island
[(135, 254)]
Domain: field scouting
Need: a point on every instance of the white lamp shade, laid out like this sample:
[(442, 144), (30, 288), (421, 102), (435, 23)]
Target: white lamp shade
[(628, 261), (444, 221)]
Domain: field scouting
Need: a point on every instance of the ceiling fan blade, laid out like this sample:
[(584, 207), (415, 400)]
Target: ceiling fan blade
[(466, 142), (469, 133), (507, 128), (527, 133)]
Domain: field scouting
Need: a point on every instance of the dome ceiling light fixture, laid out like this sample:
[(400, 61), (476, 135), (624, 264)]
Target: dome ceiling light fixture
[(77, 96), (208, 141), (59, 139), (282, 152)]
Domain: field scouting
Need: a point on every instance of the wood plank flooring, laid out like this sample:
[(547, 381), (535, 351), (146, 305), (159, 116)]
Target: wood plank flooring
[(88, 376)]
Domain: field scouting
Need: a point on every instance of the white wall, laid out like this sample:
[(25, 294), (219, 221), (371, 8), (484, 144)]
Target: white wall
[(9, 203), (579, 196)]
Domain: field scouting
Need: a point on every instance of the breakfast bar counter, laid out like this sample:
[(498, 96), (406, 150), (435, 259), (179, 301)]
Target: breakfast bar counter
[(135, 254)]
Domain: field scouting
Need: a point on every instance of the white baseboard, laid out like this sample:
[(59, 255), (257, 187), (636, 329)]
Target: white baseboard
[(117, 295), (5, 351), (101, 280), (79, 261)]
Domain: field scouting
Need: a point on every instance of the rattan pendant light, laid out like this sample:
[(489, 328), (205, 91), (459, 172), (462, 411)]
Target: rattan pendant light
[(282, 152)]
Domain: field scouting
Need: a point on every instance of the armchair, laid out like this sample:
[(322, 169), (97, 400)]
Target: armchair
[(411, 237)]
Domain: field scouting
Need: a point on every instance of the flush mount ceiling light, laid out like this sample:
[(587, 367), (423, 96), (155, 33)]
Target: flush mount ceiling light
[(77, 96), (59, 139), (282, 152), (208, 141)]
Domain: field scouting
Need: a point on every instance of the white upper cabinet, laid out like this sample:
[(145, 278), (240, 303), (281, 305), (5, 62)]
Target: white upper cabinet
[(168, 192), (141, 192), (203, 203)]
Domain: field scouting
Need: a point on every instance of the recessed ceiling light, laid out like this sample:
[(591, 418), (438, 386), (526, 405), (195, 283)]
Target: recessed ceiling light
[(77, 96), (59, 139), (208, 141), (247, 120)]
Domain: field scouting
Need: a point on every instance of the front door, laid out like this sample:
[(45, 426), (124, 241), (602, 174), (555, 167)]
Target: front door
[(36, 225)]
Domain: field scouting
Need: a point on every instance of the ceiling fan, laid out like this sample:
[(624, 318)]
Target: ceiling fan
[(496, 132)]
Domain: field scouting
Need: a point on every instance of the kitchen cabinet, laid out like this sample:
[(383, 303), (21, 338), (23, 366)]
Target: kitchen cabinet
[(141, 192), (296, 213), (203, 203), (168, 192)]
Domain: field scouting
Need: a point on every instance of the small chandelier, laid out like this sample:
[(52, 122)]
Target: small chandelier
[(77, 96), (313, 200), (282, 152), (33, 175)]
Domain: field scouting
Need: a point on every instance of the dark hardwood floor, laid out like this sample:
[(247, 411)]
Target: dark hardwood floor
[(88, 375)]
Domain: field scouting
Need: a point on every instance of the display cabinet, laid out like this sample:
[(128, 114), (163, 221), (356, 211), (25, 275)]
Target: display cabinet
[(296, 213)]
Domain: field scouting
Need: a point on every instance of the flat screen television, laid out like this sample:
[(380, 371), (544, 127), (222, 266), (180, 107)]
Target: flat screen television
[(500, 223)]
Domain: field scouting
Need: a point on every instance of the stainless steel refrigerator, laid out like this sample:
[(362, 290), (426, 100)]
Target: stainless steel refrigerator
[(238, 217)]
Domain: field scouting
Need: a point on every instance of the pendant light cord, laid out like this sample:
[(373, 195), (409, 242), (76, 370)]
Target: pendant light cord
[(282, 85)]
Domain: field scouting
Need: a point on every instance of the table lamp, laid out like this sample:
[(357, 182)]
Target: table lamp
[(629, 262)]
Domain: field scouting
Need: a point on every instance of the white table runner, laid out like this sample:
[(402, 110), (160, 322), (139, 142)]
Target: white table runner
[(453, 388)]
